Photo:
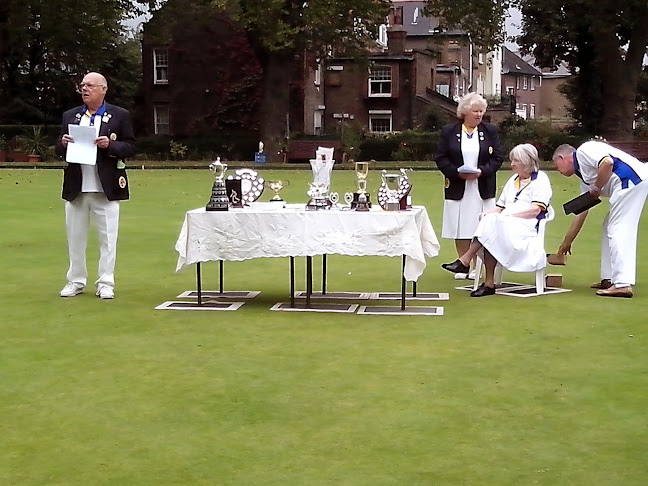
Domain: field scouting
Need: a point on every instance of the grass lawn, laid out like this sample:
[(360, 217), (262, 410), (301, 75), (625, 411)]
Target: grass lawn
[(550, 390)]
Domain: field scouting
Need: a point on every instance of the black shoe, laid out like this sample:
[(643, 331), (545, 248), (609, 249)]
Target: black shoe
[(483, 291), (456, 267)]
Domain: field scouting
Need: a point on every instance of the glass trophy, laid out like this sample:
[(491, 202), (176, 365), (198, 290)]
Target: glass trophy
[(319, 188)]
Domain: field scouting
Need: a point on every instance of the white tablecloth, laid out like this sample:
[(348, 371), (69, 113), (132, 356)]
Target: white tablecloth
[(242, 234)]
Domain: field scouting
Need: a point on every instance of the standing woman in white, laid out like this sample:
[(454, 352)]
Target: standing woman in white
[(469, 156)]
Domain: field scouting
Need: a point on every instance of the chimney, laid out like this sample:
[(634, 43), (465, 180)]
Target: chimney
[(396, 39)]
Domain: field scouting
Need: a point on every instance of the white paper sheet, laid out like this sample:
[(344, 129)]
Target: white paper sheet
[(464, 169), (83, 150)]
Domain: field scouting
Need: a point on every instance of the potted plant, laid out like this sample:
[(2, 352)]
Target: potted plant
[(34, 142)]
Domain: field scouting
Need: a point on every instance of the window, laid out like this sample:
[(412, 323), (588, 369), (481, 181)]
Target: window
[(517, 82), (532, 111), (443, 89), (161, 66), (380, 121), (380, 81), (317, 123), (532, 82), (416, 16), (318, 75), (480, 58), (382, 35), (161, 115), (525, 82)]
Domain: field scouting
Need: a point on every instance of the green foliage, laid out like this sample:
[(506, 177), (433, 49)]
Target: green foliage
[(378, 147), (350, 25), (433, 119), (34, 141), (178, 150), (515, 130), (416, 145), (48, 46), (409, 145), (227, 147), (351, 134), (602, 44)]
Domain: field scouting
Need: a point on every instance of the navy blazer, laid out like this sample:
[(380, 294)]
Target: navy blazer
[(116, 125), (449, 158)]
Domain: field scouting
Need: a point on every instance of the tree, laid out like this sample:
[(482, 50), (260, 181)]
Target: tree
[(46, 47), (603, 42), (282, 31)]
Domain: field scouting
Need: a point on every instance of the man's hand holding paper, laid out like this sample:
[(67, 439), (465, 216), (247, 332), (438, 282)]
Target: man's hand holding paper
[(82, 148)]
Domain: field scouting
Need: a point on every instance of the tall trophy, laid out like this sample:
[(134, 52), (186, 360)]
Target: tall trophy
[(361, 198), (219, 200), (318, 190)]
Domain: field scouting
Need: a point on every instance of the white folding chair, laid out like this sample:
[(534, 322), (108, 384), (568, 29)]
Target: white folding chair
[(539, 274)]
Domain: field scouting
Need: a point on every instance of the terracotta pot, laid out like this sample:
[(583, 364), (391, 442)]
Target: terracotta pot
[(34, 158)]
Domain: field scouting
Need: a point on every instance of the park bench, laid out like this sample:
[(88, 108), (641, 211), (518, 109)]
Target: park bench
[(304, 150)]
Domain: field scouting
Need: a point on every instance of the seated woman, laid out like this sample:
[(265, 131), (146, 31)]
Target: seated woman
[(507, 234)]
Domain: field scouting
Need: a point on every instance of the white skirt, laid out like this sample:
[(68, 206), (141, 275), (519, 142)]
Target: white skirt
[(460, 218), (512, 241)]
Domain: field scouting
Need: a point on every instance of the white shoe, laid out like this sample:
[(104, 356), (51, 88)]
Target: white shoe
[(460, 276), (71, 289), (471, 275), (105, 292)]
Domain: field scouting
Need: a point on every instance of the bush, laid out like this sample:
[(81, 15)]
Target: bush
[(378, 147), (407, 145), (515, 130)]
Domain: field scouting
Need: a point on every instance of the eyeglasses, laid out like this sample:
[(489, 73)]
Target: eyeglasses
[(90, 86)]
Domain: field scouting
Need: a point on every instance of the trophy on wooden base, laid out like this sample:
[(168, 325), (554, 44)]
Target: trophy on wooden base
[(361, 200), (392, 183), (277, 186), (219, 200), (394, 192)]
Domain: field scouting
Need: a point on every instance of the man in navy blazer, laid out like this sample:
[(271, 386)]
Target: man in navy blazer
[(95, 187)]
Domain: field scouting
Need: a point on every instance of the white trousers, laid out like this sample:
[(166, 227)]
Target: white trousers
[(619, 241), (105, 214)]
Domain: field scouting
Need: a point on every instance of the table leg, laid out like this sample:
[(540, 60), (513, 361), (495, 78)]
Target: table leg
[(309, 280), (403, 284), (292, 281), (413, 289), (323, 274), (221, 272), (198, 283)]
